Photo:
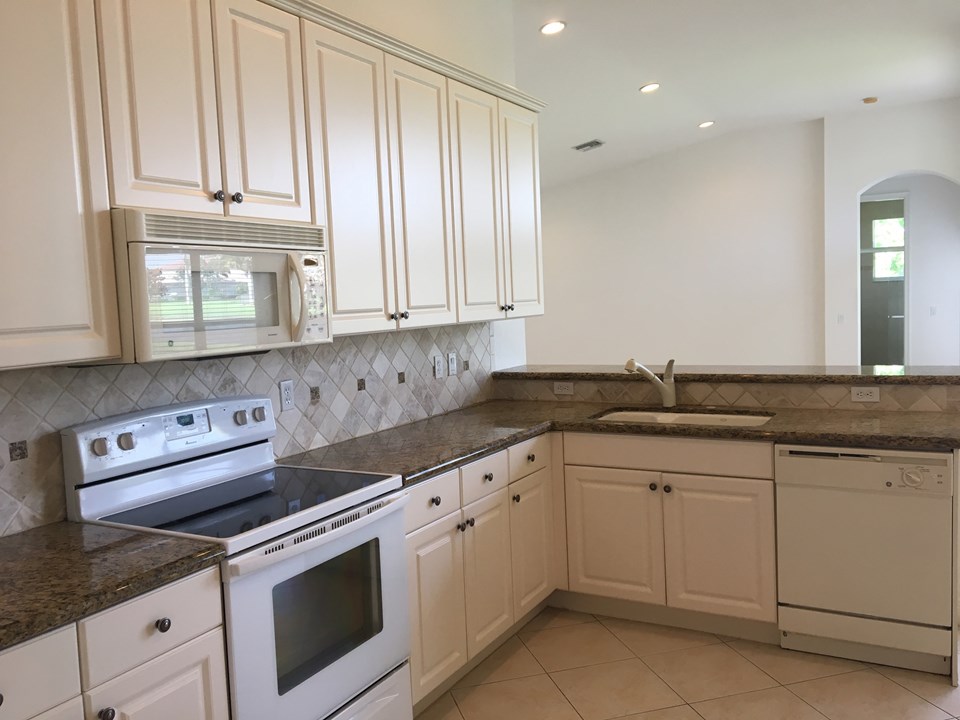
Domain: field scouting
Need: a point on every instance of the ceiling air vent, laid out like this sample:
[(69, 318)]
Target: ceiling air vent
[(589, 145)]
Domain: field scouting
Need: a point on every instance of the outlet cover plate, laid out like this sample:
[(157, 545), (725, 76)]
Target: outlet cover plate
[(563, 388), (438, 366), (865, 394), (286, 394)]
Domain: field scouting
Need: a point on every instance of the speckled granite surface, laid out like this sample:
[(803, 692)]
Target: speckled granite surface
[(826, 374), (56, 574), (424, 449)]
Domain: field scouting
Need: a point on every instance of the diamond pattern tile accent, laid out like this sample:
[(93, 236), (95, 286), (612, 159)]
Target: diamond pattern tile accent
[(36, 403), (932, 398)]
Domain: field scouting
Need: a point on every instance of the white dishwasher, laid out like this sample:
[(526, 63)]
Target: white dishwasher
[(865, 554)]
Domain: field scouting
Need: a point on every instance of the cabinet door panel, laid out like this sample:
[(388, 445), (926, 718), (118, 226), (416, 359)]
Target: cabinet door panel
[(262, 117), (348, 138), (437, 619), (70, 710), (58, 298), (187, 683), (520, 170), (615, 533), (475, 172), (160, 104), (720, 546), (531, 529), (487, 576), (419, 166)]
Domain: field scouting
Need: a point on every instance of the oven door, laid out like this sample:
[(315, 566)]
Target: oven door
[(315, 618), (194, 300)]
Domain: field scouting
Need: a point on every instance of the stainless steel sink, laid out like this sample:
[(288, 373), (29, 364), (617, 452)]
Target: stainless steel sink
[(683, 418)]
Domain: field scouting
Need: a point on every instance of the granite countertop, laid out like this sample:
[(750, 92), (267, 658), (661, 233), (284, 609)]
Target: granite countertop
[(428, 447), (824, 374), (56, 574)]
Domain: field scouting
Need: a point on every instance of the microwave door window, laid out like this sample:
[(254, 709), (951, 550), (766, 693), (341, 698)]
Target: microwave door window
[(203, 300)]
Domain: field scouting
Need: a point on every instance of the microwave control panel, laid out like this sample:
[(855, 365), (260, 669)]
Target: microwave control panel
[(317, 328)]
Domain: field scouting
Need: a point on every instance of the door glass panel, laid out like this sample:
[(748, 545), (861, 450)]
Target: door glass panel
[(325, 612), (882, 273), (198, 291)]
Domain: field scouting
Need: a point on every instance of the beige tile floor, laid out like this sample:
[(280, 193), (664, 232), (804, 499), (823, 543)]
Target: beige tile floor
[(571, 666)]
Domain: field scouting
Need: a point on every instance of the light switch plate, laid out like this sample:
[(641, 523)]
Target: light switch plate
[(438, 366), (865, 394), (451, 364)]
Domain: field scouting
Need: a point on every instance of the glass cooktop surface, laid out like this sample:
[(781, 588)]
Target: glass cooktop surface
[(236, 506)]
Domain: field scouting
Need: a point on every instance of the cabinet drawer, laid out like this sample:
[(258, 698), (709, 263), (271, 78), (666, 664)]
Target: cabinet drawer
[(39, 674), (432, 499), (128, 635), (480, 478), (70, 710), (529, 456)]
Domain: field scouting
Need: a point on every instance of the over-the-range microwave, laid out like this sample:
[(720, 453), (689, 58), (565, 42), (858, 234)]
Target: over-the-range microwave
[(192, 286)]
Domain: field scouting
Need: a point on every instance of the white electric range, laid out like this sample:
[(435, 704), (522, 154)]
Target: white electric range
[(315, 587)]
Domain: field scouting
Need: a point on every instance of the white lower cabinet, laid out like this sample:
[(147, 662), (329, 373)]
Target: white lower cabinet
[(70, 710), (531, 540), (615, 533), (487, 576), (438, 622), (695, 542), (719, 545), (188, 683), (479, 569)]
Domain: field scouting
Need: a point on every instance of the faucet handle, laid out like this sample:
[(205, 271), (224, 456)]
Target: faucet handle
[(631, 365), (668, 371)]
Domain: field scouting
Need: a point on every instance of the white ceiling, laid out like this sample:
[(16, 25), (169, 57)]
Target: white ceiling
[(742, 63)]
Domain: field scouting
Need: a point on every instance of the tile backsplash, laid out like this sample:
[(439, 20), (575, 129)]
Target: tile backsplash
[(934, 398), (36, 403)]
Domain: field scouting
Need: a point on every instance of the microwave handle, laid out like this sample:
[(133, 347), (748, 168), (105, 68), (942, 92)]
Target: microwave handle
[(293, 260)]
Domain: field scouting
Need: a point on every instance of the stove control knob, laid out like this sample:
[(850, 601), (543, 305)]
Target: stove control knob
[(100, 446), (912, 478), (240, 417), (260, 413), (126, 441)]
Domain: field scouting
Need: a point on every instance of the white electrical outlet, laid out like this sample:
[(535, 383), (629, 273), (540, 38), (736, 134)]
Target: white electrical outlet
[(865, 394), (451, 364), (563, 388), (286, 394), (438, 366)]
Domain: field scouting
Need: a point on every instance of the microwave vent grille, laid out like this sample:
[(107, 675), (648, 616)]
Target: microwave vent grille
[(216, 231)]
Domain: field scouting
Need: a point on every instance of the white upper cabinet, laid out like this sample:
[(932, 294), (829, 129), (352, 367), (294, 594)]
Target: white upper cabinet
[(520, 174), (163, 65), (57, 292), (346, 104), (262, 119), (160, 104), (419, 172), (475, 174)]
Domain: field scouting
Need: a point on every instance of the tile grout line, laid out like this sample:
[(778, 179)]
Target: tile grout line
[(911, 691)]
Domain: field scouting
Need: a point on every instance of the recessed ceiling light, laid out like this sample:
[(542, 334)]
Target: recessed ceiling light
[(650, 87), (870, 100), (553, 27), (705, 125)]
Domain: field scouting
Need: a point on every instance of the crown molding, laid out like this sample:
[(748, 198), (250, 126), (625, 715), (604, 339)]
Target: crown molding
[(311, 10)]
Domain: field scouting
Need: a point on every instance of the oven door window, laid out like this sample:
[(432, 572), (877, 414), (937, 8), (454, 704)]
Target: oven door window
[(325, 612)]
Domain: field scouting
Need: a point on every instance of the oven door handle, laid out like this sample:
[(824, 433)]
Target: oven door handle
[(280, 550), (296, 331)]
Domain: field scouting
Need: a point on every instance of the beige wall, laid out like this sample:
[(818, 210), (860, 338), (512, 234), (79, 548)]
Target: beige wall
[(711, 254), (475, 34)]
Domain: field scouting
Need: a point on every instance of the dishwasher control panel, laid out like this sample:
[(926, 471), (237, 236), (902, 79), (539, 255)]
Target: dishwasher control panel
[(865, 470)]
